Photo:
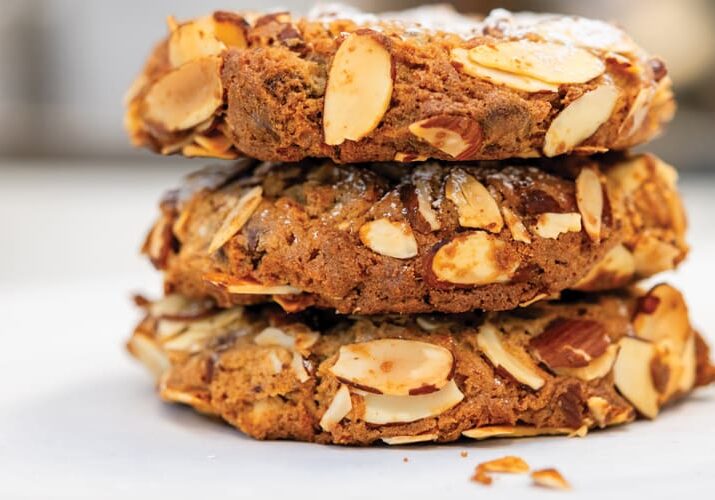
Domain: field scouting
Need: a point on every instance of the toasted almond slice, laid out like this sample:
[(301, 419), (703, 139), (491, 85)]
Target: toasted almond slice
[(424, 204), (511, 80), (662, 317), (509, 464), (549, 62), (359, 88), (230, 29), (275, 362), (589, 198), (186, 96), (409, 157), (299, 341), (550, 478), (249, 288), (339, 407), (515, 225), (150, 354), (638, 112), (193, 151), (298, 368), (632, 375), (389, 238), (237, 217), (383, 409), (475, 258), (458, 136), (193, 40), (179, 307), (615, 269), (476, 206), (580, 120), (490, 340), (517, 431), (551, 225), (174, 395), (651, 255), (396, 367), (400, 440), (598, 368), (689, 364), (219, 144)]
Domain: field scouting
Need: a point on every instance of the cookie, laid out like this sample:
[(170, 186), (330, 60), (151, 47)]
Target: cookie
[(553, 368), (413, 85), (387, 238)]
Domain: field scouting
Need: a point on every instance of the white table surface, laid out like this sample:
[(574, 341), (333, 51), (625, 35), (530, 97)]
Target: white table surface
[(78, 418)]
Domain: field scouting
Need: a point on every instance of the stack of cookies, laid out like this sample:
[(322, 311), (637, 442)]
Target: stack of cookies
[(424, 226)]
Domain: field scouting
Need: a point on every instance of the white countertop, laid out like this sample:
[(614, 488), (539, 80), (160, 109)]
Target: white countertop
[(78, 418)]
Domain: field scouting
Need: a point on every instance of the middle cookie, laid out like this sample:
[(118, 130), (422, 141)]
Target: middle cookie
[(449, 237)]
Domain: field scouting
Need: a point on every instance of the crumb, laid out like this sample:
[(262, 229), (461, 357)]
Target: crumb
[(463, 454), (550, 478), (405, 459), (508, 464), (481, 476)]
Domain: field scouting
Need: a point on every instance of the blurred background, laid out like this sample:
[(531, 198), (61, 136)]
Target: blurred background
[(64, 65)]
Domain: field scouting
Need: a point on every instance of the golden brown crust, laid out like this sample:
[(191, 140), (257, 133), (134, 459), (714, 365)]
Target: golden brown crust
[(276, 74), (448, 237), (276, 376)]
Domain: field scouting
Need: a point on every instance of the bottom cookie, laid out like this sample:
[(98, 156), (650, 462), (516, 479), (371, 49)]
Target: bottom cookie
[(552, 368)]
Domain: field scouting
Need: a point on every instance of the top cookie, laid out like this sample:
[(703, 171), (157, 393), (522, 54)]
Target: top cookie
[(427, 83)]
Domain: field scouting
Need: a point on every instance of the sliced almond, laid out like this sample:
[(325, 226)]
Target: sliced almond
[(580, 120), (518, 364), (389, 238), (549, 62), (508, 464), (237, 217), (597, 368), (359, 88), (651, 255), (296, 364), (383, 409), (424, 204), (589, 198), (637, 112), (632, 375), (515, 431), (551, 225), (460, 57), (458, 136), (193, 40), (689, 364), (150, 354), (193, 151), (215, 144), (477, 208), (174, 395), (550, 478), (247, 287), (300, 341), (230, 28), (339, 407), (186, 96), (400, 440), (570, 343), (396, 367), (475, 258), (409, 157), (275, 361), (662, 317), (616, 269), (180, 307), (515, 225)]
